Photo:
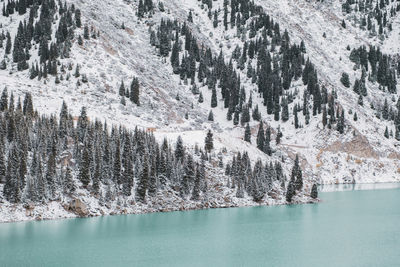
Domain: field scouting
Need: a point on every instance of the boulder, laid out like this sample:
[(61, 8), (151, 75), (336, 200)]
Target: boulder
[(78, 207)]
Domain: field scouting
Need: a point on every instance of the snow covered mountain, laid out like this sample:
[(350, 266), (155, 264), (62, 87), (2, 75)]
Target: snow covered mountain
[(297, 68)]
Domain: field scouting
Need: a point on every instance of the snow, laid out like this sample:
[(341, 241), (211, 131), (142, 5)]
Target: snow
[(122, 54)]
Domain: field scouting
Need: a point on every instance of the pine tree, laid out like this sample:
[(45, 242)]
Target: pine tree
[(141, 189), (122, 89), (197, 184), (84, 167), (86, 32), (290, 192), (386, 134), (360, 100), (41, 187), (153, 181), (215, 21), (117, 163), (187, 178), (209, 142), (324, 117), (82, 125), (135, 91), (340, 125), (210, 116), (296, 119), (214, 101), (285, 111), (314, 191), (8, 44), (2, 161), (355, 118), (385, 110), (97, 173), (69, 184), (345, 80), (256, 114), (296, 175), (279, 136), (201, 99), (50, 175), (4, 100), (190, 16), (78, 21), (247, 134), (179, 149), (141, 9), (260, 137)]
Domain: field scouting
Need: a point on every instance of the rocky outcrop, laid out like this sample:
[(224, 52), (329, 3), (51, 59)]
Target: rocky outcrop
[(78, 207)]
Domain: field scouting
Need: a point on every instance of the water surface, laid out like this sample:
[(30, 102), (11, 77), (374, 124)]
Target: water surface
[(349, 228)]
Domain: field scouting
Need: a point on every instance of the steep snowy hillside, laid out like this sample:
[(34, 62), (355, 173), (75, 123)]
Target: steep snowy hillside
[(362, 154), (227, 66)]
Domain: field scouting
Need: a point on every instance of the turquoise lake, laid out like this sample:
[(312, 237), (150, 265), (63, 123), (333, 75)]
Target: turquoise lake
[(349, 228)]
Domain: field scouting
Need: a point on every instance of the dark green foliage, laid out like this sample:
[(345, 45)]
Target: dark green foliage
[(122, 89), (260, 137), (84, 169), (386, 134), (78, 21), (345, 79), (290, 192), (210, 116), (86, 32), (247, 133), (209, 142), (341, 123), (179, 149), (135, 91), (141, 190), (314, 191), (214, 101)]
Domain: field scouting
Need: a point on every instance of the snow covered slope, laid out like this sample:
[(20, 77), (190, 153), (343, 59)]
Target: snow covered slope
[(119, 54), (361, 154)]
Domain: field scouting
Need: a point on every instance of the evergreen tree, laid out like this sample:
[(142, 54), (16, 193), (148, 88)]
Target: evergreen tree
[(345, 80), (355, 118), (69, 184), (290, 192), (314, 191), (324, 117), (214, 101), (210, 116), (141, 189), (247, 134), (201, 99), (179, 149), (122, 89), (386, 134), (86, 32), (84, 168), (215, 21), (197, 184), (78, 21), (260, 137), (135, 91), (209, 142), (187, 178), (340, 125), (97, 173), (8, 44), (4, 100)]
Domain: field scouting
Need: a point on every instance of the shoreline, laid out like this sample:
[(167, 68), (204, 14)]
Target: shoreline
[(55, 210), (71, 215)]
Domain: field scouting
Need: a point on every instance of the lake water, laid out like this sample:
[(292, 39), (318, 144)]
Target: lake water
[(349, 228)]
